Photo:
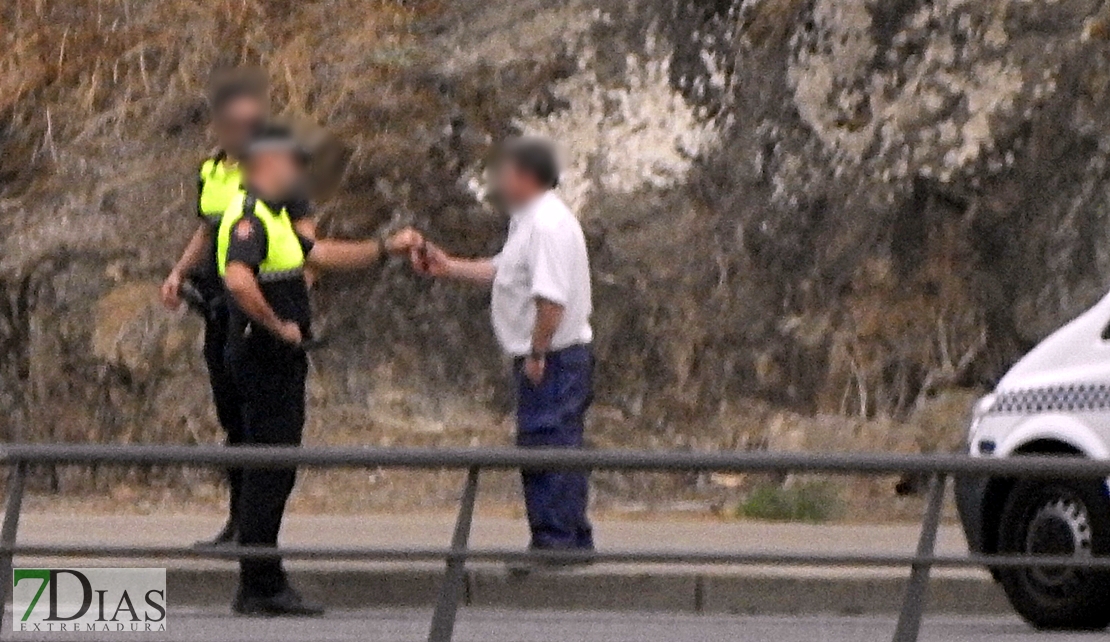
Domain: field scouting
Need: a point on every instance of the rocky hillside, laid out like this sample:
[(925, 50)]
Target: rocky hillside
[(829, 207)]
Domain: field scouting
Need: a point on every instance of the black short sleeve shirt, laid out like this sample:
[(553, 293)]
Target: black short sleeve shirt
[(298, 209), (248, 244)]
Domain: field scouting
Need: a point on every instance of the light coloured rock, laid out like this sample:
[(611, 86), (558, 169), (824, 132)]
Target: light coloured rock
[(640, 134), (883, 115)]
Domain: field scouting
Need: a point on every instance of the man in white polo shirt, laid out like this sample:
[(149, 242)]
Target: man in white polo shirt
[(541, 315)]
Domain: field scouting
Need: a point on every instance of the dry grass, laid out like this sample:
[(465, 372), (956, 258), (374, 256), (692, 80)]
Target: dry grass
[(98, 101), (78, 71), (102, 120)]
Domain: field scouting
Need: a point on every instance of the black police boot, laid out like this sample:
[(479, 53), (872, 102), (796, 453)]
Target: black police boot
[(225, 537), (286, 603)]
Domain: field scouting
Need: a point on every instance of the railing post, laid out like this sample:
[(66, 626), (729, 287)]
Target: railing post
[(913, 605), (8, 532), (447, 608)]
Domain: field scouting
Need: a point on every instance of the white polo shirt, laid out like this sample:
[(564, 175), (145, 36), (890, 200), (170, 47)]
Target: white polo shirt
[(544, 256)]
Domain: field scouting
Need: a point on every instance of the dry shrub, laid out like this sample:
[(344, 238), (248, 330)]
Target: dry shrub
[(904, 338)]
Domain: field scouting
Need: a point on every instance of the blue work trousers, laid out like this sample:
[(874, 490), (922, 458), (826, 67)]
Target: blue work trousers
[(551, 414)]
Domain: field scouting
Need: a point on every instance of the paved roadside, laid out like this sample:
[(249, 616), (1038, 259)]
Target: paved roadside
[(486, 625), (434, 530), (756, 590)]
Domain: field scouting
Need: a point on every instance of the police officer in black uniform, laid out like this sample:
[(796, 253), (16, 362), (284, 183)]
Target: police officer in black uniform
[(262, 259), (238, 103)]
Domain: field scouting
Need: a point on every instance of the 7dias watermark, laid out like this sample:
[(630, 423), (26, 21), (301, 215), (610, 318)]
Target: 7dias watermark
[(117, 600)]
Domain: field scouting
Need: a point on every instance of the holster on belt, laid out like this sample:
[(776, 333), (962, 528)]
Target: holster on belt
[(201, 300)]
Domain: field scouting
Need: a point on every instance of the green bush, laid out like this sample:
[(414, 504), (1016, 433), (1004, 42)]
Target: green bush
[(815, 501)]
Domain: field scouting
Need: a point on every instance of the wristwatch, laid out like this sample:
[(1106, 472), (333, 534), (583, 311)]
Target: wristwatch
[(383, 248)]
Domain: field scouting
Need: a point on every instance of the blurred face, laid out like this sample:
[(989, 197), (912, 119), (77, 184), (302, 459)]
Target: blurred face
[(513, 186), (236, 121), (276, 174)]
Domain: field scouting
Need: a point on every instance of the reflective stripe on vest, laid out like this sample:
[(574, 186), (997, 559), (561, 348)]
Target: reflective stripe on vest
[(219, 185), (284, 254)]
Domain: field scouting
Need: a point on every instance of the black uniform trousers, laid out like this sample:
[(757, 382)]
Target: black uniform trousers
[(225, 394), (271, 378)]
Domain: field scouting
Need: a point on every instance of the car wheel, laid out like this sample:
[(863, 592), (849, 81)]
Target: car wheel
[(1057, 518)]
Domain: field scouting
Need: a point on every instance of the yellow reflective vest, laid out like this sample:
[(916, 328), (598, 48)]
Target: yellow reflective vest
[(218, 183), (284, 252)]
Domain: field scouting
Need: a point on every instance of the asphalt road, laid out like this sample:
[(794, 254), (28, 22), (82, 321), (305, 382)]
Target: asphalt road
[(403, 625)]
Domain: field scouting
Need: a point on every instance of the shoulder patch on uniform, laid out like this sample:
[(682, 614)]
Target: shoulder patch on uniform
[(243, 229)]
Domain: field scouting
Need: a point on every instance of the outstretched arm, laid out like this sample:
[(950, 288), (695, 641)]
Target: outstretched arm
[(430, 260), (332, 254)]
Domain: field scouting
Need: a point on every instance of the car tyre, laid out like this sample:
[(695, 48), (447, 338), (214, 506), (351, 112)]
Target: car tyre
[(1057, 518)]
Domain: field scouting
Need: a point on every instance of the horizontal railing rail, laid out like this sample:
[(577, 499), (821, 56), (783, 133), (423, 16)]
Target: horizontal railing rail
[(939, 468), (555, 459), (517, 555)]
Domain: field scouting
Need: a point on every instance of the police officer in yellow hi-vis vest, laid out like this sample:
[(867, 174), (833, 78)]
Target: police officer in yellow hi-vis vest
[(238, 104), (262, 259)]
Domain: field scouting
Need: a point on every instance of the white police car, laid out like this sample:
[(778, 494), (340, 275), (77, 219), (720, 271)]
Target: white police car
[(1055, 401)]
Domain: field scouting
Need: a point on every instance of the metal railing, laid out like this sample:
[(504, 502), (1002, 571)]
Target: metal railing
[(939, 468)]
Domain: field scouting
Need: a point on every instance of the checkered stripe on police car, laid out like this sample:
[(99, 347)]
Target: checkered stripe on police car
[(1067, 398)]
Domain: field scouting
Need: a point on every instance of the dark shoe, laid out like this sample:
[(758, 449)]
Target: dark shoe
[(225, 537), (525, 567), (287, 603), (584, 557)]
